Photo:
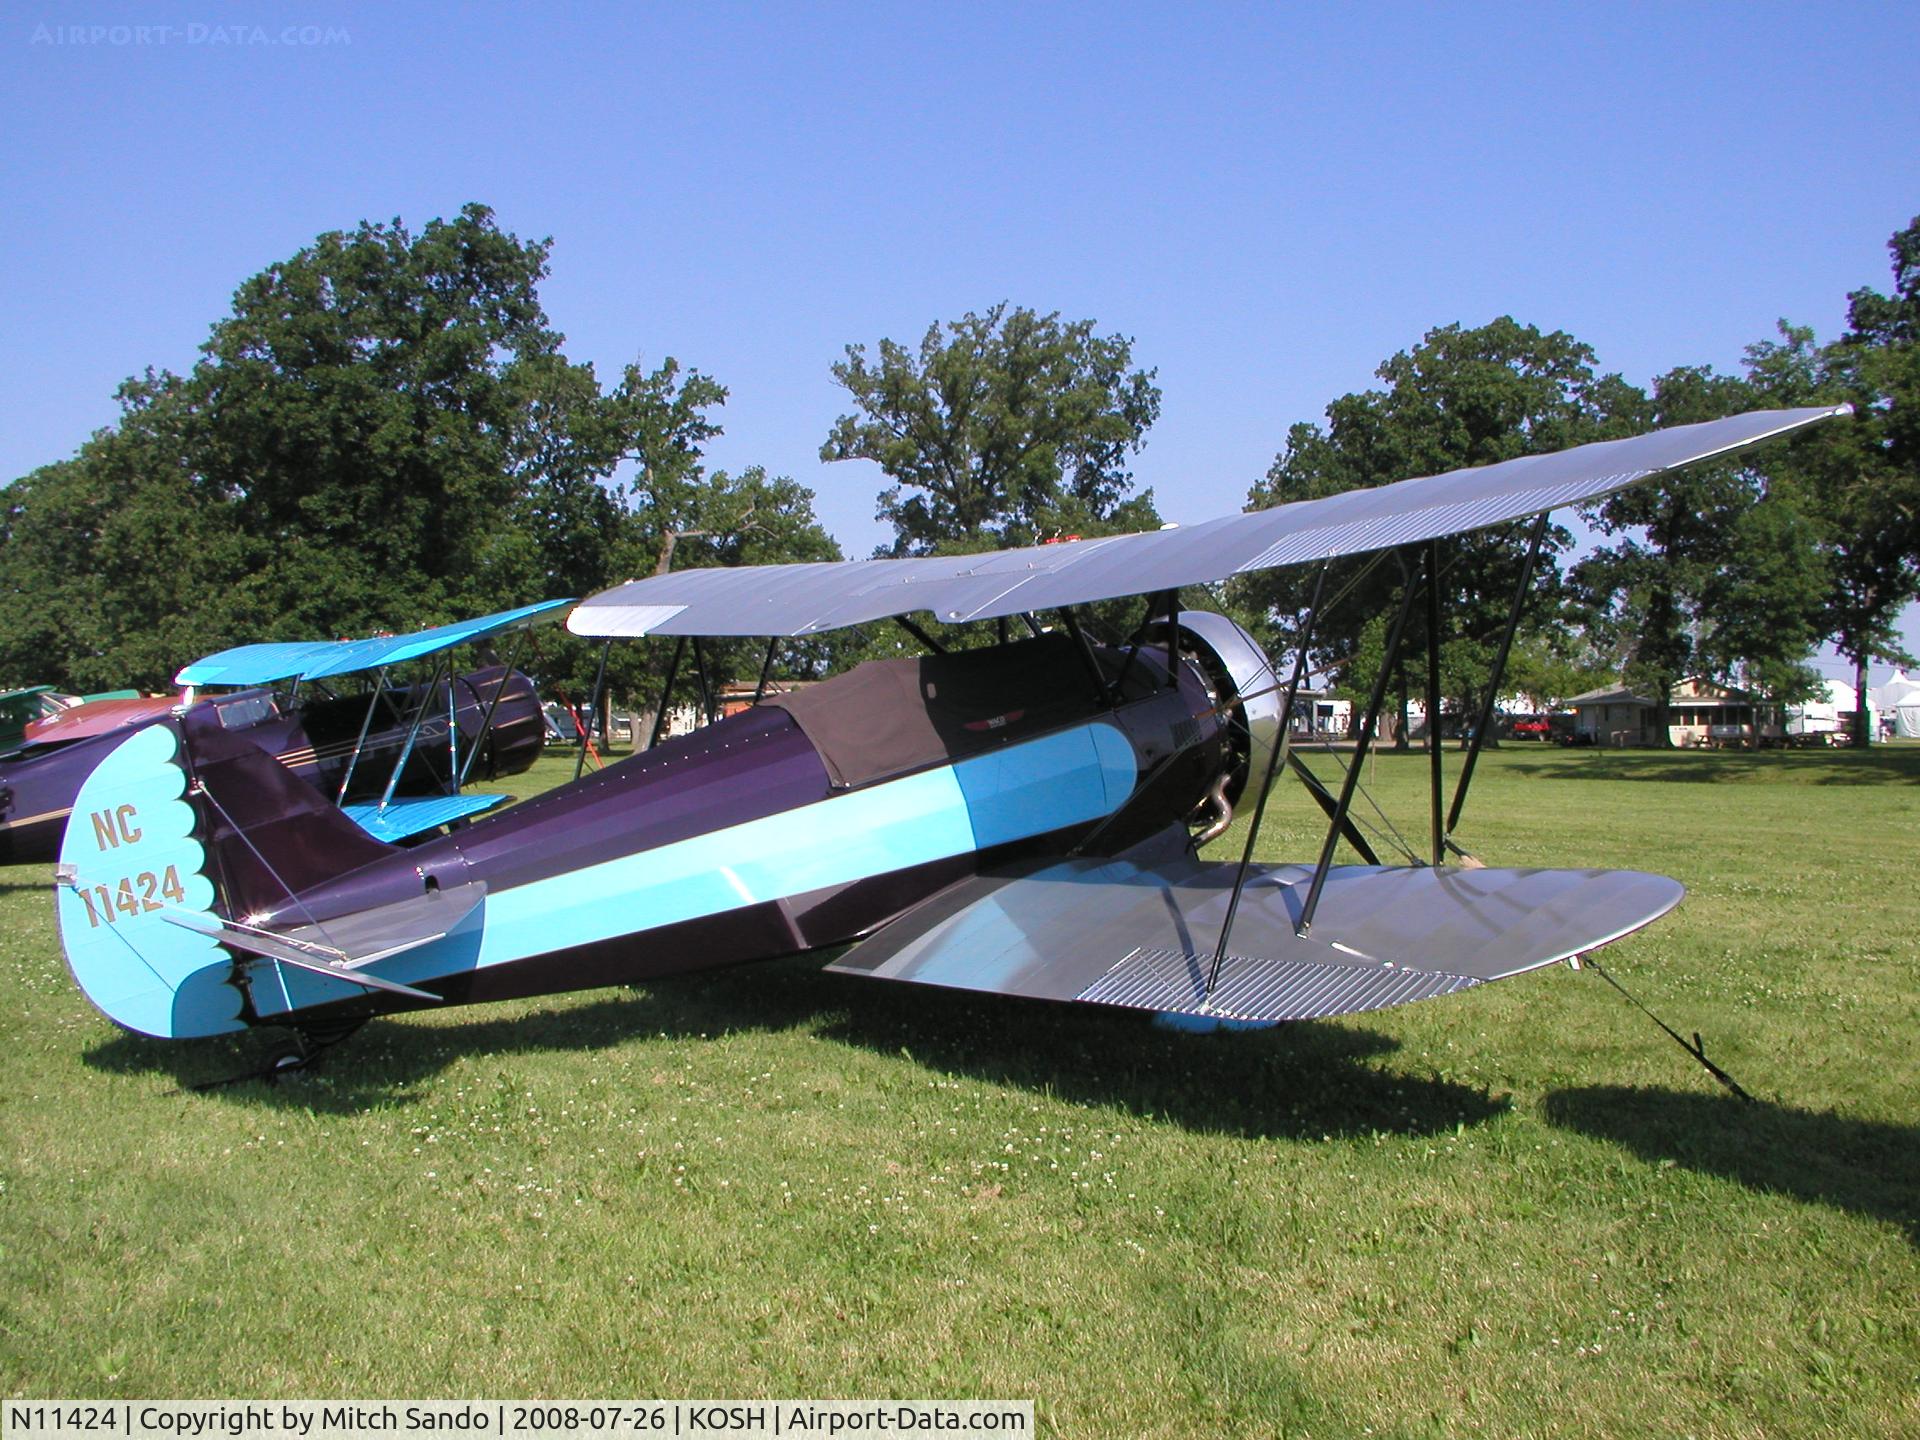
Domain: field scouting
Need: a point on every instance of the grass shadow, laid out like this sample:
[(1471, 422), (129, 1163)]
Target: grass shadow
[(383, 1063), (1300, 1081), (1876, 765), (1869, 1167), (1304, 1080)]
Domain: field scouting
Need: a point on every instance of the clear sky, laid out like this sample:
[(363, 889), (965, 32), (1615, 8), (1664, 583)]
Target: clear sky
[(1270, 199)]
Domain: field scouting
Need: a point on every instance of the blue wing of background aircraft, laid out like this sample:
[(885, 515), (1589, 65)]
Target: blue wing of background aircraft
[(263, 664), (394, 817)]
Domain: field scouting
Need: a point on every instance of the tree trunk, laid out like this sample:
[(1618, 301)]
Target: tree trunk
[(1862, 712), (1491, 741), (643, 727)]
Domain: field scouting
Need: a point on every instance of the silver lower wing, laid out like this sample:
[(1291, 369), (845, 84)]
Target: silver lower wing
[(1111, 932)]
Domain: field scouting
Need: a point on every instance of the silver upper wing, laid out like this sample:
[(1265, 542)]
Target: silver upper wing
[(807, 599)]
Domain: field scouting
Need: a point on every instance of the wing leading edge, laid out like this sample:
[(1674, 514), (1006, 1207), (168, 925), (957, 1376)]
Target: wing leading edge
[(807, 599), (267, 662), (1115, 933)]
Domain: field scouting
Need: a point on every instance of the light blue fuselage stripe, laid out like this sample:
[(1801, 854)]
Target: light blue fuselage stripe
[(1028, 789)]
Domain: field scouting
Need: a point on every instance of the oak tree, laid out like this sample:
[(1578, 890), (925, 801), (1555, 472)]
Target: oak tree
[(1000, 429)]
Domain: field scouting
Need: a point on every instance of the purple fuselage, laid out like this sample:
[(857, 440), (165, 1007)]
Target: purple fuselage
[(883, 726)]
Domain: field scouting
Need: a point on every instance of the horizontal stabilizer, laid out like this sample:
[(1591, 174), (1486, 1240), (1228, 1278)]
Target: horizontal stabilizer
[(341, 947), (277, 950), (1115, 933)]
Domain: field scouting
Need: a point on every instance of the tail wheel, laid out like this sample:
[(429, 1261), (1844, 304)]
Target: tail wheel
[(310, 1044)]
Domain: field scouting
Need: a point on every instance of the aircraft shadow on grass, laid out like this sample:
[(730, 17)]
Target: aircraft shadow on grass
[(1871, 1168), (1874, 767), (1304, 1081)]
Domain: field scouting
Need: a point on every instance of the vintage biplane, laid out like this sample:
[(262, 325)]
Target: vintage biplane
[(395, 756), (1017, 817)]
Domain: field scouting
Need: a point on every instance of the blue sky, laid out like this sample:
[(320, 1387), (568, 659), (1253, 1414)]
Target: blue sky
[(1270, 199)]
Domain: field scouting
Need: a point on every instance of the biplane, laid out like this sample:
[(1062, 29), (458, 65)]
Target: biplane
[(394, 757), (1019, 817)]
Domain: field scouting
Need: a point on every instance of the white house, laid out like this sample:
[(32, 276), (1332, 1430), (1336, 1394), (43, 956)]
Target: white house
[(1613, 716)]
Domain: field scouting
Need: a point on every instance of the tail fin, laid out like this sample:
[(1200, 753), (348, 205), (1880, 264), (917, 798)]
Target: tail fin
[(268, 832), (142, 845), (129, 853)]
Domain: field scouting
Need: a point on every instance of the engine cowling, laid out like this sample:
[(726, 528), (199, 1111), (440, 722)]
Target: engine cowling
[(1244, 687)]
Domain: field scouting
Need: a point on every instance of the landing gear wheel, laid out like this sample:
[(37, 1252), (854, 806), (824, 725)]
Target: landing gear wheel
[(310, 1043)]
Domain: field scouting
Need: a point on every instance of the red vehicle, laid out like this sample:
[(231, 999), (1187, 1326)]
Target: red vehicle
[(1532, 727)]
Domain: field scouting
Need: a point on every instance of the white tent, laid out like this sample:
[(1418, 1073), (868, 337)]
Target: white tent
[(1825, 713), (1899, 699)]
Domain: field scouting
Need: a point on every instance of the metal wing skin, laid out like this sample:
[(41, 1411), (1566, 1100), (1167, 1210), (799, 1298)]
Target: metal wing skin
[(1111, 932), (806, 599)]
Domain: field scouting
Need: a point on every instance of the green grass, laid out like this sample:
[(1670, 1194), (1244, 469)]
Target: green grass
[(1515, 1212)]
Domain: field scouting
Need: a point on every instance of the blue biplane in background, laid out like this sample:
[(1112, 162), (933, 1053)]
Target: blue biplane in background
[(395, 758), (1020, 818)]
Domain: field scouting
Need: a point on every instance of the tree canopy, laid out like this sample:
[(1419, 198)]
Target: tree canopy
[(384, 433), (1711, 571), (1461, 397), (1859, 481), (1002, 429)]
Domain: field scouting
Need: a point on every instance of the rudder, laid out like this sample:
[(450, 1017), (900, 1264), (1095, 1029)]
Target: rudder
[(128, 855), (179, 827)]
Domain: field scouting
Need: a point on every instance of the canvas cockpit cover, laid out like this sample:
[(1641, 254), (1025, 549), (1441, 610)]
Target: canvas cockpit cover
[(887, 717)]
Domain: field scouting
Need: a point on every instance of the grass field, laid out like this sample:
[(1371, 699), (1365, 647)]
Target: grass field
[(1515, 1212)]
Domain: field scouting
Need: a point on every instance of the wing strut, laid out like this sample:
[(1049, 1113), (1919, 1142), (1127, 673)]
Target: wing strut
[(1173, 637), (486, 721), (379, 688), (906, 624), (1433, 697), (666, 691), (413, 730), (1164, 601), (1330, 807), (1374, 701), (1085, 647), (766, 669), (593, 709), (1493, 684), (707, 715), (1282, 747), (453, 730)]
